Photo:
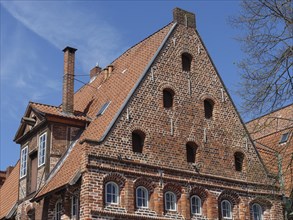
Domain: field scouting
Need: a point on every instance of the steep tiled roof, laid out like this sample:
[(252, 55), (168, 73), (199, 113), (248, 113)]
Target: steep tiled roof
[(128, 69), (9, 192)]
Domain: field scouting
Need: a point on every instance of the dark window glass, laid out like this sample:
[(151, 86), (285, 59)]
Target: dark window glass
[(168, 98), (284, 138)]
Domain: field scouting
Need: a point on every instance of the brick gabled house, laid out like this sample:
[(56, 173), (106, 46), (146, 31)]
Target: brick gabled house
[(154, 135)]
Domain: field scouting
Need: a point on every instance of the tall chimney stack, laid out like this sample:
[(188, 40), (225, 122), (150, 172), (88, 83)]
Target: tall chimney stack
[(68, 80)]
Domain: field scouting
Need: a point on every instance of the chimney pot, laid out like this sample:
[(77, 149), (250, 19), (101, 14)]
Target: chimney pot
[(68, 80), (95, 71), (110, 69), (106, 73)]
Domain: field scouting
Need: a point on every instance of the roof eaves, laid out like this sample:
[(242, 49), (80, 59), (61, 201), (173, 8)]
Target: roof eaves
[(137, 83), (12, 211)]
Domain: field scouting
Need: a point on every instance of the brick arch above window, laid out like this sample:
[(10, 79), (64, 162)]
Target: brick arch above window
[(116, 178), (175, 188), (200, 192), (147, 183), (168, 85), (230, 196), (208, 97), (264, 203)]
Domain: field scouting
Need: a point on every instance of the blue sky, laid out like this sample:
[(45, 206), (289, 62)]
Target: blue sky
[(33, 34)]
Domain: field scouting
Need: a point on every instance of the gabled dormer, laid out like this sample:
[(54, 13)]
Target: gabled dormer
[(46, 132)]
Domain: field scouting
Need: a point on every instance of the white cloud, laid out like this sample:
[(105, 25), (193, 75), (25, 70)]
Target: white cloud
[(65, 23)]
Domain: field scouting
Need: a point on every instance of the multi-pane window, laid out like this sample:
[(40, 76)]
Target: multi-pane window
[(170, 201), (42, 149), (23, 162), (58, 210), (74, 207), (112, 193), (195, 205), (226, 209), (256, 212), (141, 197)]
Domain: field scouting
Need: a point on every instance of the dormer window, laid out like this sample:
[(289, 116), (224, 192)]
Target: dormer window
[(42, 149), (186, 62), (284, 138), (168, 96)]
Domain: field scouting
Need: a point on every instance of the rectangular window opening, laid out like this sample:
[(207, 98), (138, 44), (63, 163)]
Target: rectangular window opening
[(103, 108)]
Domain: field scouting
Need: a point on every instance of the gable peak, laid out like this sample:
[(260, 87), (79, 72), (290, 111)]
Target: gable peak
[(183, 17)]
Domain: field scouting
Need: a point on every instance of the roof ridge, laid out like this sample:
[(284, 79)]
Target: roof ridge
[(283, 107)]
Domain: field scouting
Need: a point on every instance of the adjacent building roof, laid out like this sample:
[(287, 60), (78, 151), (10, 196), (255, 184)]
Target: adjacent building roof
[(117, 88), (9, 192), (267, 132)]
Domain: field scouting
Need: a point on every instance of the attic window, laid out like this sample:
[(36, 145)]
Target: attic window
[(238, 157), (103, 109), (186, 61), (284, 138), (168, 96), (137, 141)]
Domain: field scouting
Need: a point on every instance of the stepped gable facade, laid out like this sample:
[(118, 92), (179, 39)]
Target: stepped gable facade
[(154, 135)]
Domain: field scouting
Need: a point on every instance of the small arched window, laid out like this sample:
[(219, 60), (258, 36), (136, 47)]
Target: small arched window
[(256, 212), (111, 193), (168, 96), (170, 201), (226, 209), (58, 210), (191, 148), (137, 141), (142, 197), (186, 62), (195, 205), (238, 157), (208, 108)]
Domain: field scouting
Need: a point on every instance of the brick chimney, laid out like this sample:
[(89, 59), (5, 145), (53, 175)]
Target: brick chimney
[(68, 80), (95, 71), (184, 17)]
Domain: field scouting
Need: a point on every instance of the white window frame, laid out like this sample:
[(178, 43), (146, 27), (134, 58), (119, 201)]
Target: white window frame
[(258, 212), (75, 216), (58, 210), (42, 149), (146, 198), (111, 193), (195, 204), (229, 209), (171, 194), (23, 161)]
